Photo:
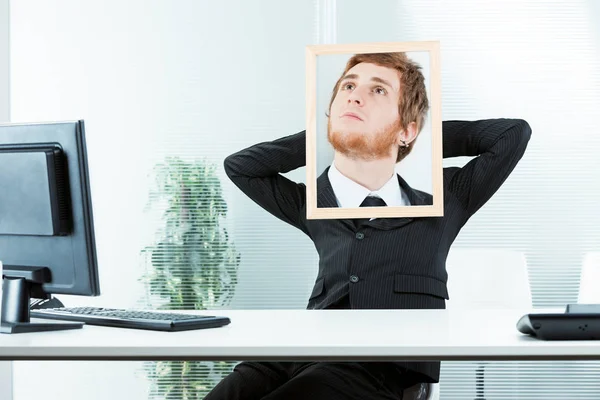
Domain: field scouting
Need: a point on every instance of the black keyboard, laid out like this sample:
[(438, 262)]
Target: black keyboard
[(120, 318)]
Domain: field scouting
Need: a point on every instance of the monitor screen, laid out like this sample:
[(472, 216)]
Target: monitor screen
[(46, 223)]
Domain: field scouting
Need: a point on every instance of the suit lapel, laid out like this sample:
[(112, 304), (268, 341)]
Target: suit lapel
[(326, 199), (326, 196), (415, 198)]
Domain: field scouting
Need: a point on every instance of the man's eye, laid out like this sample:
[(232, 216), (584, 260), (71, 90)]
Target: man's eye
[(347, 86), (380, 90)]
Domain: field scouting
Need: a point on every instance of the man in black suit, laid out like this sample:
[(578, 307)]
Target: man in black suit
[(384, 263)]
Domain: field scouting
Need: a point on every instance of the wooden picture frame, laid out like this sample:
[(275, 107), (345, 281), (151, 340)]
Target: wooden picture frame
[(427, 167)]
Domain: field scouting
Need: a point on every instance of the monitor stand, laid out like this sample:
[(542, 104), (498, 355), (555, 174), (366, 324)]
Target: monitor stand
[(19, 284)]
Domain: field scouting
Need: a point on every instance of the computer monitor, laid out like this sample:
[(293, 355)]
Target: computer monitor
[(47, 241)]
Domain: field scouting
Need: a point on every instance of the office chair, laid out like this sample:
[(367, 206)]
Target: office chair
[(590, 279), (421, 391), (485, 278)]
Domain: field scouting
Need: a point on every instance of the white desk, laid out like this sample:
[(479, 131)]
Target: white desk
[(310, 335)]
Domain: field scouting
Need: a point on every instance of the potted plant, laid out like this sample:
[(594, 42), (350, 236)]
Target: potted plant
[(192, 265)]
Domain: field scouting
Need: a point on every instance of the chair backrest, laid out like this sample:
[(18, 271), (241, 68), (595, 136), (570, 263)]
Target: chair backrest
[(589, 284), (487, 278), (483, 278)]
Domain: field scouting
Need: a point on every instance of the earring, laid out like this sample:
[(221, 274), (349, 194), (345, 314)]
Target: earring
[(404, 145)]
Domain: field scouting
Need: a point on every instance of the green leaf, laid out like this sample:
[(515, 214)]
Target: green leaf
[(192, 265)]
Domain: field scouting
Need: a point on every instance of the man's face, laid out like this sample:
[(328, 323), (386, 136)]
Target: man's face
[(364, 121)]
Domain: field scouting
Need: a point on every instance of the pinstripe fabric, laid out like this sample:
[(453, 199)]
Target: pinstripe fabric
[(315, 381), (387, 263)]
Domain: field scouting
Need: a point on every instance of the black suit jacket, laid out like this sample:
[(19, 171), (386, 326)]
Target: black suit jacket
[(387, 263)]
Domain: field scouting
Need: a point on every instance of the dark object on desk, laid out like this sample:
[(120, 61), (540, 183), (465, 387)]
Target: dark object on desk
[(17, 286), (578, 322), (120, 318), (46, 226), (45, 303), (583, 309)]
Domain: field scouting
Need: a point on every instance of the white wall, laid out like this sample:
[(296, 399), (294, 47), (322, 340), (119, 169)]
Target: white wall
[(4, 61), (194, 80), (5, 366), (152, 79)]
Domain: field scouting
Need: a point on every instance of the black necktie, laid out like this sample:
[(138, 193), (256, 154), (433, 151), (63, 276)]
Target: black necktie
[(369, 201), (372, 201)]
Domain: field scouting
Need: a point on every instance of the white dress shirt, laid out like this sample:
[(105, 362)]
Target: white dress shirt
[(350, 194)]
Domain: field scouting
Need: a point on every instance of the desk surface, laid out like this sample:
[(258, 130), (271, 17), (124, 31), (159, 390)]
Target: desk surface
[(310, 335)]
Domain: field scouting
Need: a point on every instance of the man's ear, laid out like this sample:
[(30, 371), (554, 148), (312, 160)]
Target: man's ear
[(407, 135)]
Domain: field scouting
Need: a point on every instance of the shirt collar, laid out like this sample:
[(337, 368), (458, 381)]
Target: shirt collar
[(350, 194)]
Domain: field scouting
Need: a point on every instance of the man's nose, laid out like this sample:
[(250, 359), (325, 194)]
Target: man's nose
[(356, 98)]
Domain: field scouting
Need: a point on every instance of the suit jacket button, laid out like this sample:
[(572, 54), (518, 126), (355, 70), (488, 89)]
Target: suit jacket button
[(353, 278), (360, 235)]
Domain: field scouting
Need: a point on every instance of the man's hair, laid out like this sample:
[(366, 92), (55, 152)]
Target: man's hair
[(412, 102)]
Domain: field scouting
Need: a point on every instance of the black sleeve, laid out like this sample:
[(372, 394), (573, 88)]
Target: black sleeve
[(499, 144), (257, 170)]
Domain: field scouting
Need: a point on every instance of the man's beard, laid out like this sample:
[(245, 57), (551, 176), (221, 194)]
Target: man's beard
[(362, 146)]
